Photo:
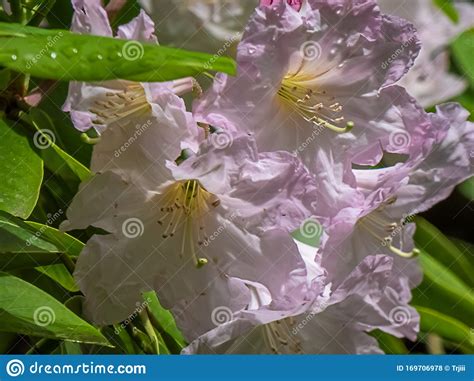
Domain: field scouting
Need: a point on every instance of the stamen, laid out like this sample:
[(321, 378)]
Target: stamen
[(278, 337), (184, 205), (131, 101), (306, 103), (378, 224)]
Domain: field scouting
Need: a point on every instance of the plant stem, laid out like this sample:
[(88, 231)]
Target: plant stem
[(150, 330)]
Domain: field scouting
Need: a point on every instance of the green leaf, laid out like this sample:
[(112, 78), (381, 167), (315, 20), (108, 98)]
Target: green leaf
[(467, 189), (7, 340), (389, 344), (445, 326), (64, 242), (435, 243), (448, 8), (463, 53), (309, 232), (442, 290), (38, 10), (22, 172), (5, 76), (17, 261), (61, 15), (60, 274), (18, 237), (466, 248), (67, 137), (45, 135), (28, 310), (30, 244), (68, 348), (165, 319), (466, 100), (62, 55)]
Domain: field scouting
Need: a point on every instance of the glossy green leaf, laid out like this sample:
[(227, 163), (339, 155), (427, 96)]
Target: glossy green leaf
[(21, 169), (463, 52), (445, 326), (29, 310), (62, 55), (438, 246)]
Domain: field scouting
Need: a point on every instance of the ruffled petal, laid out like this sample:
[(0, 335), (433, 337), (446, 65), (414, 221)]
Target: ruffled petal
[(141, 28), (90, 18)]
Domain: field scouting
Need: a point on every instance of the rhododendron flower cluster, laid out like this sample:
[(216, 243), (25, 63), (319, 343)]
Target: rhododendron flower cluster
[(316, 136)]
